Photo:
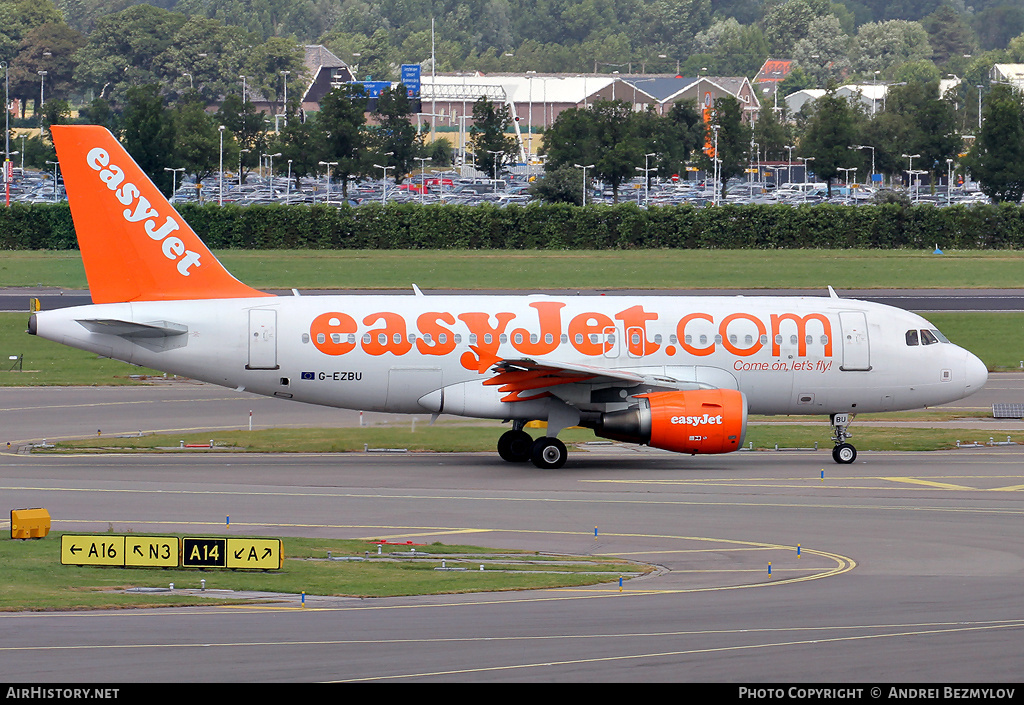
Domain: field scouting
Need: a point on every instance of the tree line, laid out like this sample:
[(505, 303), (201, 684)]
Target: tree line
[(102, 47), (915, 133), (728, 37)]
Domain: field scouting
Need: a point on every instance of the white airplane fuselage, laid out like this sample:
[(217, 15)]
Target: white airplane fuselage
[(416, 354)]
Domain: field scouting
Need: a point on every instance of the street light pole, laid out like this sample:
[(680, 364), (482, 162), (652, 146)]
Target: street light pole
[(7, 135), (495, 154), (240, 165), (949, 181), (328, 165), (846, 176), (979, 106), (174, 179), (874, 98), (867, 146), (271, 167), (910, 172), (714, 195), (647, 177), (284, 76), (220, 174), (54, 179), (423, 180), (584, 168), (42, 91), (805, 160), (384, 184)]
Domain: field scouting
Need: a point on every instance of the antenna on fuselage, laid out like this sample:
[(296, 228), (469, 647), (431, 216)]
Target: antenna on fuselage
[(832, 293)]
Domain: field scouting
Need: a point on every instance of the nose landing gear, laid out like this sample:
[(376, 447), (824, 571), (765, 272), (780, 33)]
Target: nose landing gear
[(843, 453)]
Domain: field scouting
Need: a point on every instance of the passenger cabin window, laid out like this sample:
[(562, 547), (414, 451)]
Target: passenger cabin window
[(911, 337)]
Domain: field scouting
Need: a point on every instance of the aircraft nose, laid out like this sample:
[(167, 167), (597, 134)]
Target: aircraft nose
[(976, 374)]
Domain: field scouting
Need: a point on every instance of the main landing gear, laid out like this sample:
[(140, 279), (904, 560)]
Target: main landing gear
[(843, 453), (517, 446)]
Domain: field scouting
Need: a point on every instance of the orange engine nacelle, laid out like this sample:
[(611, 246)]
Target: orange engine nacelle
[(698, 421)]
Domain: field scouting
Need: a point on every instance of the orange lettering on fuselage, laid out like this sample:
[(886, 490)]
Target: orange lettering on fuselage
[(634, 321), (586, 325), (436, 340), (681, 334), (392, 338), (589, 333), (329, 333), (487, 338), (550, 319), (801, 332), (728, 345)]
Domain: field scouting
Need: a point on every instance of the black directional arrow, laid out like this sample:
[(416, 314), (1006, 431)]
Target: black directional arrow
[(137, 550), (74, 549), (238, 554), (267, 553)]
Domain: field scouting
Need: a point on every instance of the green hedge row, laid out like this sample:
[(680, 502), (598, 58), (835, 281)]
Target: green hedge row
[(556, 226)]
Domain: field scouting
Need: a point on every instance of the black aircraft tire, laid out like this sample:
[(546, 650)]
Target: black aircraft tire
[(549, 453), (515, 446), (844, 453)]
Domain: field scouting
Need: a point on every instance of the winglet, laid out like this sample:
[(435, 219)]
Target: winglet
[(134, 245)]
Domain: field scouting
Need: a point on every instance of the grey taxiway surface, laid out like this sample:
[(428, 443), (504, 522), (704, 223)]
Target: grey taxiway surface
[(909, 570)]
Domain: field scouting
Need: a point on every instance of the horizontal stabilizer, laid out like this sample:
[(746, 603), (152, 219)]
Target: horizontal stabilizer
[(131, 329), (158, 336)]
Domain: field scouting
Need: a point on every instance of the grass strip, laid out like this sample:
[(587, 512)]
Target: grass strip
[(34, 578), (571, 269)]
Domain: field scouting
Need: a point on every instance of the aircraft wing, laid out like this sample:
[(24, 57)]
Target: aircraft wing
[(524, 378)]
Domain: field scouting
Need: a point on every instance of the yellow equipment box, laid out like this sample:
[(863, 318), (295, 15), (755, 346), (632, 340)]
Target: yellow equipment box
[(29, 523)]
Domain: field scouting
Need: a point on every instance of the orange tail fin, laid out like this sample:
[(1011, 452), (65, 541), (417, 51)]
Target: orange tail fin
[(135, 246)]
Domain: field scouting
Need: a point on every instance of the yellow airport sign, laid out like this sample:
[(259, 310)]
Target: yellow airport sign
[(203, 552), (259, 554), (76, 549), (171, 551), (152, 551)]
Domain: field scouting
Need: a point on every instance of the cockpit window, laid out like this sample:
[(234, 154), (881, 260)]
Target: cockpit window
[(911, 337), (928, 338), (940, 336)]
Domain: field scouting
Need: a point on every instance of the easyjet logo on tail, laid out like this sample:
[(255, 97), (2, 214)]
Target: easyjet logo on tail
[(140, 210)]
